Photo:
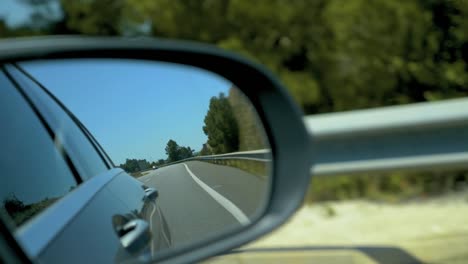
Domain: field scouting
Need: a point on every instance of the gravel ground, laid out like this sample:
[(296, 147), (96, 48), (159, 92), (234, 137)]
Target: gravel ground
[(433, 230)]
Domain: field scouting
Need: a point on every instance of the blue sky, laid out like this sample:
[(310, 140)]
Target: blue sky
[(134, 107), (14, 12)]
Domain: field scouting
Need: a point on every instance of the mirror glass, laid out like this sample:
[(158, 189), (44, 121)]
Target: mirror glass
[(190, 141)]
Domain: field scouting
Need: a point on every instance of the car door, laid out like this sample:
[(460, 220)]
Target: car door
[(104, 215)]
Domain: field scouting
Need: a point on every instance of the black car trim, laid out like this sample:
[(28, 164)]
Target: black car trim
[(95, 142), (10, 250)]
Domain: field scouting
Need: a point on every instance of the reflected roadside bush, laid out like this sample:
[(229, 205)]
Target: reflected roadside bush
[(258, 168)]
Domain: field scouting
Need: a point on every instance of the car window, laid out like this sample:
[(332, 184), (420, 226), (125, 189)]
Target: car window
[(82, 152), (35, 174)]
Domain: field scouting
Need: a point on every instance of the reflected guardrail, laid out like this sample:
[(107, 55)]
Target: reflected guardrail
[(255, 155), (261, 155)]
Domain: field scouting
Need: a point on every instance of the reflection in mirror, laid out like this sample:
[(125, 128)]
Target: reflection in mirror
[(190, 139)]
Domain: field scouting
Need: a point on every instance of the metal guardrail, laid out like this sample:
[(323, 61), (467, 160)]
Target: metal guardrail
[(417, 136)]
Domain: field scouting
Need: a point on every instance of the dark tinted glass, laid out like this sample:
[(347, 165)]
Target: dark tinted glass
[(34, 174), (83, 154)]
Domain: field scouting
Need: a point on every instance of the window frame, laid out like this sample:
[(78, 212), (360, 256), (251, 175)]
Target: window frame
[(28, 105), (43, 115), (29, 240)]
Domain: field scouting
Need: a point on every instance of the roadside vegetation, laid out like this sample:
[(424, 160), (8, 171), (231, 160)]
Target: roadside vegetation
[(377, 53), (392, 187), (21, 212), (231, 124)]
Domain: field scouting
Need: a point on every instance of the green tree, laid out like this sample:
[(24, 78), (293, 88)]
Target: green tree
[(333, 55), (221, 126), (103, 17)]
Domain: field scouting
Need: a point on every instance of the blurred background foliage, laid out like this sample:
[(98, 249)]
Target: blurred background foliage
[(394, 187), (332, 55)]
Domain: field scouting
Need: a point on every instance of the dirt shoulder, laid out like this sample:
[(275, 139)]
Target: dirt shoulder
[(432, 230)]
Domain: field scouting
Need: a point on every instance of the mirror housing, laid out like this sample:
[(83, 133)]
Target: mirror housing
[(151, 194), (290, 146)]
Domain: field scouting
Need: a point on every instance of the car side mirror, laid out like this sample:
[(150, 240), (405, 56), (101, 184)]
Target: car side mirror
[(277, 159)]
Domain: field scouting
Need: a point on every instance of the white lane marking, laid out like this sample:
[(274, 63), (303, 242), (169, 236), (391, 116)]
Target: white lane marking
[(162, 226), (223, 201), (151, 228), (161, 222)]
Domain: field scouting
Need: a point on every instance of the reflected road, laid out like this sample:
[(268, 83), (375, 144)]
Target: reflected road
[(199, 198)]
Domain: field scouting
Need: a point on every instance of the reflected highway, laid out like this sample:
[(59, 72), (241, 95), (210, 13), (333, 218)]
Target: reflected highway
[(199, 199)]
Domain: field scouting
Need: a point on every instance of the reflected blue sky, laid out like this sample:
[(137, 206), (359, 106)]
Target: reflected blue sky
[(133, 107)]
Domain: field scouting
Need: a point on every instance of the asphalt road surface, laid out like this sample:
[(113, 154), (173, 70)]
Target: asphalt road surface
[(200, 199)]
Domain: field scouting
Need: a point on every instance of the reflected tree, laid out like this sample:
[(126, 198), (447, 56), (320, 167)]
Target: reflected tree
[(175, 152), (135, 165), (221, 126), (21, 212)]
